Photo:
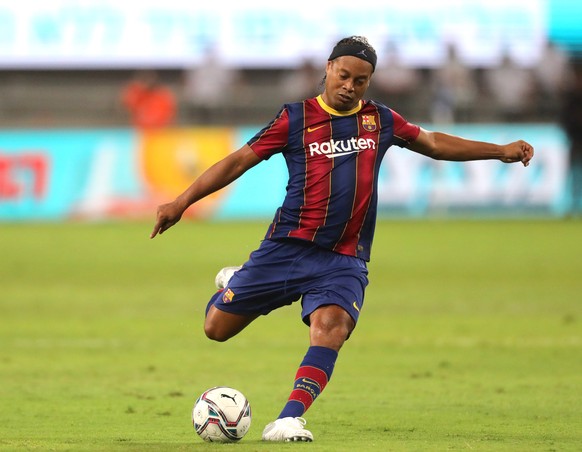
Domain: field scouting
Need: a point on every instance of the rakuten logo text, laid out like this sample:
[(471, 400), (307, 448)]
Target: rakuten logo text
[(333, 148)]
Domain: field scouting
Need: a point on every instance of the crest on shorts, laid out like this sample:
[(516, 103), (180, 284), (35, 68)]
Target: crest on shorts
[(227, 296), (369, 122)]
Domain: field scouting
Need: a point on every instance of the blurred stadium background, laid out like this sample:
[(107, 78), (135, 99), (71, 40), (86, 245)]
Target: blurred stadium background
[(71, 147), (471, 335)]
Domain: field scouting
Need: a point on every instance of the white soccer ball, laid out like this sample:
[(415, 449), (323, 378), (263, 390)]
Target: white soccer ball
[(221, 415)]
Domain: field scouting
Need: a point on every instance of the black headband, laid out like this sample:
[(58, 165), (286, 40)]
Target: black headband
[(356, 50)]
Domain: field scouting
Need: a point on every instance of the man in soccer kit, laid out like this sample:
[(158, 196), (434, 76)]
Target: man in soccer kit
[(317, 247)]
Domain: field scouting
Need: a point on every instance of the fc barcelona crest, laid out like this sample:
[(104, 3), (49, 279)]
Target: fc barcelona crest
[(227, 296), (369, 122)]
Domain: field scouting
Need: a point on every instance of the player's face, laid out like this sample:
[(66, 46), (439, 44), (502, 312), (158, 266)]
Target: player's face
[(347, 79)]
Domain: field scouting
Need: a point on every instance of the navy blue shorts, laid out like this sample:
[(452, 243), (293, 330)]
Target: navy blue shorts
[(281, 272)]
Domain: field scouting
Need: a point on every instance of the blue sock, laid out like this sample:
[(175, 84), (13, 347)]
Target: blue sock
[(311, 378)]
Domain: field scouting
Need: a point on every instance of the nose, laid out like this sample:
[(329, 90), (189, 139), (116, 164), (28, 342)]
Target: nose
[(349, 85)]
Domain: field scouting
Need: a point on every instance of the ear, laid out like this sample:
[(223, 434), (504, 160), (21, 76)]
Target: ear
[(328, 66)]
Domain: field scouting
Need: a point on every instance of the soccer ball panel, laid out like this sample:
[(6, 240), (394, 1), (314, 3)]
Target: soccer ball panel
[(221, 414)]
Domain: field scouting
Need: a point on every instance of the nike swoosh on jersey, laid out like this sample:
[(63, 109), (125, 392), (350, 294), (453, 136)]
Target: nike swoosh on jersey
[(313, 129), (356, 306)]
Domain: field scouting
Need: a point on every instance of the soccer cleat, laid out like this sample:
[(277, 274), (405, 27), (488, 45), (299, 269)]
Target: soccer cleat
[(224, 275), (287, 429)]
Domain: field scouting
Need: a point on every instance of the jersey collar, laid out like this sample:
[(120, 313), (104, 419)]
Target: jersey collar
[(333, 111)]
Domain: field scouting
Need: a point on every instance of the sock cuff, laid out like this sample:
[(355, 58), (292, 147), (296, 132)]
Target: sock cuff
[(322, 358)]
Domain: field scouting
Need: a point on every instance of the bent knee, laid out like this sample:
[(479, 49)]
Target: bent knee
[(216, 333), (220, 326), (338, 332), (330, 327)]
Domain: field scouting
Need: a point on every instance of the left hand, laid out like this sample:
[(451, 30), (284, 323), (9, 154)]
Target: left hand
[(518, 151)]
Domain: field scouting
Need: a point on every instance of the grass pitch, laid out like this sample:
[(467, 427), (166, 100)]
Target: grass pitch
[(470, 339)]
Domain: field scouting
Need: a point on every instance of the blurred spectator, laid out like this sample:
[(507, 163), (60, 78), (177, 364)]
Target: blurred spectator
[(395, 82), (212, 89), (572, 122), (553, 74), (454, 90), (302, 83), (512, 89), (149, 103)]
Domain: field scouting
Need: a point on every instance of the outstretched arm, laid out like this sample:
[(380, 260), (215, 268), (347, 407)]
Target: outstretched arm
[(442, 146), (213, 179)]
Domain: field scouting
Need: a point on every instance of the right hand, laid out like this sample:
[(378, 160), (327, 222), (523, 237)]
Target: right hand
[(518, 151), (167, 216)]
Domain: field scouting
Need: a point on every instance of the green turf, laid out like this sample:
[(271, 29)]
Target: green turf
[(470, 339)]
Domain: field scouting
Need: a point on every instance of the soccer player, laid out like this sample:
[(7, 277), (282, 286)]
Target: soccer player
[(317, 247)]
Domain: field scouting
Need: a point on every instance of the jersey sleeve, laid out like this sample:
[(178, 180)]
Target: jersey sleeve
[(273, 137), (404, 131)]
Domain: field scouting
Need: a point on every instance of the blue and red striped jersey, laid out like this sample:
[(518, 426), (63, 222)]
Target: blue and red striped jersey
[(333, 160)]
